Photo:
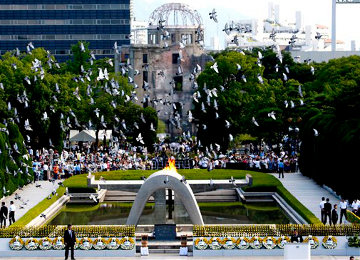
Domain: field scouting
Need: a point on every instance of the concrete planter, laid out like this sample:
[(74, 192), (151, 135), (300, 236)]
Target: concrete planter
[(5, 251), (341, 250)]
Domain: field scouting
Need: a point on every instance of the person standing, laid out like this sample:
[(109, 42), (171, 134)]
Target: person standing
[(3, 215), (281, 168), (69, 240), (334, 215), (296, 238), (12, 209), (327, 209), (343, 208), (355, 206), (322, 210)]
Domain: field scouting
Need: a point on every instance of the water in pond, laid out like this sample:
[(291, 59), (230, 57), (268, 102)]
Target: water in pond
[(213, 213)]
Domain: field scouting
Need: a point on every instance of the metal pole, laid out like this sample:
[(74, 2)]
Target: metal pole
[(333, 26)]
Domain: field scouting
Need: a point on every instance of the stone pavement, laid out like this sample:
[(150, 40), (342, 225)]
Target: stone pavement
[(31, 195), (176, 257), (307, 191)]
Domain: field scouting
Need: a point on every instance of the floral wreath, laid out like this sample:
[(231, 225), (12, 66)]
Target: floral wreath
[(229, 243), (127, 243), (282, 241), (313, 241), (16, 243), (31, 244), (242, 243), (99, 243), (269, 242), (255, 242), (58, 243), (329, 242), (85, 243), (201, 243), (45, 243), (77, 244), (113, 243), (215, 243)]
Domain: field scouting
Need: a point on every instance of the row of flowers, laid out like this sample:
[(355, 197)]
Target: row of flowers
[(256, 242), (85, 243), (275, 230), (55, 231)]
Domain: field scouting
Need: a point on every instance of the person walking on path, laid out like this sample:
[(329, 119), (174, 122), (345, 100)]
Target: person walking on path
[(322, 203), (334, 215), (343, 208), (69, 240), (281, 168), (12, 209), (327, 208), (3, 215)]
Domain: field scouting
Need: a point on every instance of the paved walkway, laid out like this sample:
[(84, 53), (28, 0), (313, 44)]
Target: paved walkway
[(307, 191), (31, 195)]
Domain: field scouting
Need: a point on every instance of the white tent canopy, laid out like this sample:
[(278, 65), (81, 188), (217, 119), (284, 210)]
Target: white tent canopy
[(89, 135)]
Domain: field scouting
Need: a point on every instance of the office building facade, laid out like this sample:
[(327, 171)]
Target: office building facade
[(57, 24)]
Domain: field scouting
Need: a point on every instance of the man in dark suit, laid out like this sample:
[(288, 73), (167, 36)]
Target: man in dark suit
[(3, 215), (70, 240), (296, 238), (327, 209), (334, 215)]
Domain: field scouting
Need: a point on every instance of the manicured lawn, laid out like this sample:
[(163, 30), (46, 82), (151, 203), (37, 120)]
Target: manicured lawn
[(260, 180)]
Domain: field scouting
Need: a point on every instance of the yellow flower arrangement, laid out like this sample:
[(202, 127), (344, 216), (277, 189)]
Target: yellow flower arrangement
[(16, 243), (312, 240), (58, 243), (201, 243), (99, 243), (31, 244), (269, 242), (282, 241), (113, 243), (45, 243), (85, 243), (127, 243), (243, 243), (215, 243), (256, 242), (329, 242), (229, 243)]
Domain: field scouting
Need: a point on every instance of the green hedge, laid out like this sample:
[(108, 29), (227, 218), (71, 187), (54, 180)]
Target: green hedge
[(351, 217), (297, 205)]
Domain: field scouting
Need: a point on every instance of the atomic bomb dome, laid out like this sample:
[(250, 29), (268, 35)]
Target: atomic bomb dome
[(176, 14)]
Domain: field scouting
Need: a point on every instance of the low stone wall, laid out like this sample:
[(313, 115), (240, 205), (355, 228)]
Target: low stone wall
[(5, 251), (341, 249)]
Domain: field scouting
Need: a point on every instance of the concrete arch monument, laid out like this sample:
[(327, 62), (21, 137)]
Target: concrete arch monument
[(165, 179)]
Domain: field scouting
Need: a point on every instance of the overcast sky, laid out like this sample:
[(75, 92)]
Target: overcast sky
[(313, 12)]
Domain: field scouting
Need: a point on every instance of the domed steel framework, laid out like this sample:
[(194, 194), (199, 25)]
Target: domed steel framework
[(176, 14)]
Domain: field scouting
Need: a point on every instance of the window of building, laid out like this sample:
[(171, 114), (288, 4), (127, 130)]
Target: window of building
[(178, 83), (186, 39), (145, 76), (173, 38), (175, 58), (145, 58), (152, 39)]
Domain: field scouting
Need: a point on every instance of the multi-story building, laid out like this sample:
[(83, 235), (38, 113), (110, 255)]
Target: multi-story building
[(165, 65), (58, 24)]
